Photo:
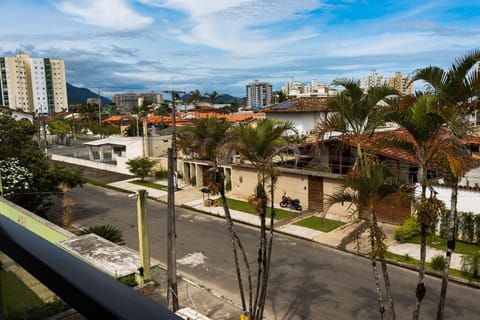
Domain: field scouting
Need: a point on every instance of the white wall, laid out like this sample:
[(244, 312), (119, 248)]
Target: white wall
[(468, 200)]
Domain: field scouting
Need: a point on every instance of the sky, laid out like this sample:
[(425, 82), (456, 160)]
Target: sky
[(119, 46)]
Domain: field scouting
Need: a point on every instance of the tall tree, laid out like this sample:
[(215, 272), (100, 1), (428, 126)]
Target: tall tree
[(260, 144), (16, 141), (424, 139), (354, 112), (194, 98), (365, 189), (212, 97), (212, 139), (455, 90)]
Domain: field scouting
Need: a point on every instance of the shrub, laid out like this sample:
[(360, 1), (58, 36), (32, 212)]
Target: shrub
[(409, 229), (161, 174), (228, 185), (107, 231), (141, 166), (471, 264), (193, 181), (438, 262)]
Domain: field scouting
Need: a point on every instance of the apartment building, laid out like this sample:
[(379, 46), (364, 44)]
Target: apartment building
[(296, 89), (259, 94), (33, 84), (130, 99), (402, 84)]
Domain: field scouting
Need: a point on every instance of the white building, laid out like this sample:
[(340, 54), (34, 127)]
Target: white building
[(259, 94), (33, 84), (295, 89)]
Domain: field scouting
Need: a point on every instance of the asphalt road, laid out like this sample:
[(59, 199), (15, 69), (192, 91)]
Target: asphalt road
[(308, 280)]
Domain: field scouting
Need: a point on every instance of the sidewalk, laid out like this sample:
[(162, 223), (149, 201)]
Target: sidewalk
[(191, 197)]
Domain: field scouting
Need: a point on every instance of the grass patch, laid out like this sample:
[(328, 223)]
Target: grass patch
[(414, 262), (103, 185), (244, 206), (148, 184), (16, 295), (441, 244), (319, 223)]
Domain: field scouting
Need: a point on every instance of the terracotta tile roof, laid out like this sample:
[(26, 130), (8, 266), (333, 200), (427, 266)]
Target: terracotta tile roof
[(237, 117), (472, 140), (310, 104), (394, 153)]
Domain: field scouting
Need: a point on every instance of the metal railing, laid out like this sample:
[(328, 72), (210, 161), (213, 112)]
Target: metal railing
[(91, 292)]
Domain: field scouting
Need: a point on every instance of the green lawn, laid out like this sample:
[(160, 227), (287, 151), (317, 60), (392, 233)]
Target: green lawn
[(246, 207), (16, 295), (150, 185), (320, 224), (414, 262), (441, 243)]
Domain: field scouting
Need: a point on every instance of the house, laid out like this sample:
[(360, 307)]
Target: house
[(305, 113)]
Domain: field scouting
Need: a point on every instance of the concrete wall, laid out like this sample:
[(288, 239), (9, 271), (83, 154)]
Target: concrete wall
[(34, 223), (244, 181), (329, 187), (120, 167)]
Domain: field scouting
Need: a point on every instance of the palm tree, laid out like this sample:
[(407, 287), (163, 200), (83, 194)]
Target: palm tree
[(353, 112), (424, 140), (212, 139), (454, 88), (260, 145), (365, 189), (195, 97), (212, 97)]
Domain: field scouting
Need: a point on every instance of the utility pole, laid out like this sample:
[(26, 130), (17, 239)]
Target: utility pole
[(174, 133), (172, 292), (143, 241), (99, 107)]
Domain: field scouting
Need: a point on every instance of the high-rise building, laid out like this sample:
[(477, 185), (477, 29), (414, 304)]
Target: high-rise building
[(398, 82), (297, 89), (259, 94), (33, 84), (130, 100), (372, 80), (401, 84)]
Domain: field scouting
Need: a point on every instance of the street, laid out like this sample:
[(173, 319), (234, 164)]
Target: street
[(308, 280)]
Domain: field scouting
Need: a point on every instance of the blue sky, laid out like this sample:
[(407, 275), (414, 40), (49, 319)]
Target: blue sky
[(145, 45)]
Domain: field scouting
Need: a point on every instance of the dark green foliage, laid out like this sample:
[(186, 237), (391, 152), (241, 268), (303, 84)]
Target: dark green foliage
[(107, 231), (228, 185), (161, 174), (17, 141), (467, 226), (409, 229), (471, 264), (193, 181), (141, 166), (438, 262)]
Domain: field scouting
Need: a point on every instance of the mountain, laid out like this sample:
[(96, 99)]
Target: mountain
[(222, 99), (80, 95)]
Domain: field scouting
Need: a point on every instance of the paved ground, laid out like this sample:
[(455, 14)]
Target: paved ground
[(191, 197)]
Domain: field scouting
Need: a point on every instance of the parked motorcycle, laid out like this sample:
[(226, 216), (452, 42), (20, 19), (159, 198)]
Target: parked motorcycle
[(290, 203)]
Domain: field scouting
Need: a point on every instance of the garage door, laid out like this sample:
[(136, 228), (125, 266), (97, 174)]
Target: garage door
[(315, 193)]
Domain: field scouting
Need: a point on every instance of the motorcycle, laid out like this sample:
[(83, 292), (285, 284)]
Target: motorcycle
[(290, 203)]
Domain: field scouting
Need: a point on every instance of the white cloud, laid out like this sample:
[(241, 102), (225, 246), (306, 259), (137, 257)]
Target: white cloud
[(237, 26), (114, 14)]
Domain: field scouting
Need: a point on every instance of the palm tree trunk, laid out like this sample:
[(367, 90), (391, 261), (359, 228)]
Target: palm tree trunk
[(269, 247), (236, 242), (383, 264), (375, 273), (262, 255), (374, 267), (421, 290), (450, 249)]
